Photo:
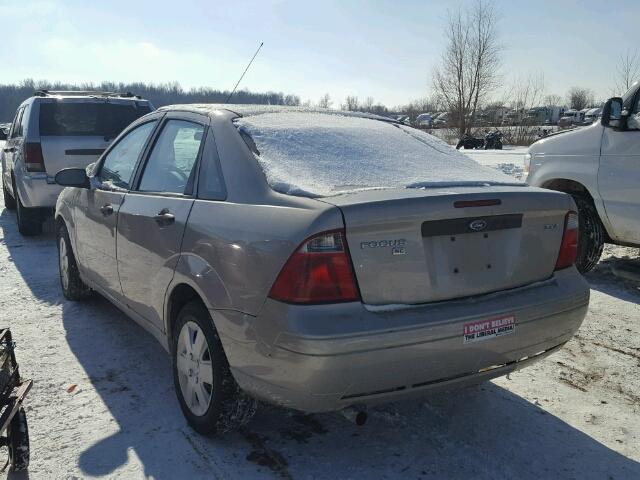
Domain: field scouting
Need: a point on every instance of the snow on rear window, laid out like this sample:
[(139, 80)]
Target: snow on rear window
[(320, 154)]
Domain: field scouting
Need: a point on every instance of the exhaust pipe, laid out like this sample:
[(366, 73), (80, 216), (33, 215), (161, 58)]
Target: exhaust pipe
[(357, 415)]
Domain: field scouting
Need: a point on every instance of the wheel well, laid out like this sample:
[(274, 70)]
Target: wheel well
[(575, 188), (179, 297), (568, 186)]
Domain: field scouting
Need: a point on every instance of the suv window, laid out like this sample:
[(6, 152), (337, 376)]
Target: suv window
[(23, 121), (88, 118), (170, 165), (119, 164), (16, 126)]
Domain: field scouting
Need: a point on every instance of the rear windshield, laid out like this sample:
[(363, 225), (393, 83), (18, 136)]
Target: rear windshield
[(88, 119), (319, 154)]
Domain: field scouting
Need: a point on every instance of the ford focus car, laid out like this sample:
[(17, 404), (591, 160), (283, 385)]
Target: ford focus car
[(317, 260)]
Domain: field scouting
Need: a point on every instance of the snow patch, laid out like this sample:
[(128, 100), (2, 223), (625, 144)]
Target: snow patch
[(320, 154)]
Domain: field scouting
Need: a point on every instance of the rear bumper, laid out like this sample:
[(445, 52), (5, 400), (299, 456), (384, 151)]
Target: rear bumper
[(37, 190), (327, 357)]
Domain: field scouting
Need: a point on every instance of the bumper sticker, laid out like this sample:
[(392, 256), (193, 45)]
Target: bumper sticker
[(491, 328)]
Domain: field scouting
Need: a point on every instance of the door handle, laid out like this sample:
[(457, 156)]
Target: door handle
[(10, 149), (106, 210), (164, 218)]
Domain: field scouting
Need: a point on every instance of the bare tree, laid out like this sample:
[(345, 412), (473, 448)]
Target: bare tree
[(367, 105), (552, 100), (325, 101), (470, 63), (580, 98), (628, 70), (525, 97), (351, 104)]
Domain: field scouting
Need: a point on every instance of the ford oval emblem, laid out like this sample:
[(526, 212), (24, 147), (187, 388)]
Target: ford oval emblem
[(478, 225)]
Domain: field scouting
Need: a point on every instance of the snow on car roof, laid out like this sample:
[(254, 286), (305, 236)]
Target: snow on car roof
[(318, 154)]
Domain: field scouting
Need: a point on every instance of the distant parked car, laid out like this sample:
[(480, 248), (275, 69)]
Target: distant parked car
[(317, 260), (52, 131), (592, 115), (571, 118), (424, 120), (440, 120)]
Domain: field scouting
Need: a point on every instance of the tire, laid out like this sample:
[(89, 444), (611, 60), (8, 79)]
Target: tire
[(18, 442), (459, 145), (591, 235), (227, 406), (73, 288), (29, 219), (9, 201)]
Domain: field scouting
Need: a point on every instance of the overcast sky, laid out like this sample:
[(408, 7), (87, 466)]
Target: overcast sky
[(383, 49)]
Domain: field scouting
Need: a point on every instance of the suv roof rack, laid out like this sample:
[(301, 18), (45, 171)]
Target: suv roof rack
[(84, 93)]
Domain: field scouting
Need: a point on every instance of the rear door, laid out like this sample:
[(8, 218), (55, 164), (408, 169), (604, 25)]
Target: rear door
[(75, 132), (619, 179), (96, 209), (153, 216)]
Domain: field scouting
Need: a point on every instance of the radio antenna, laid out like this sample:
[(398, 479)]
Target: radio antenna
[(242, 76)]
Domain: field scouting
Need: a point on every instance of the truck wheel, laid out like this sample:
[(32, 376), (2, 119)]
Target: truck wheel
[(209, 397), (73, 288), (9, 201), (18, 442), (590, 237), (29, 219)]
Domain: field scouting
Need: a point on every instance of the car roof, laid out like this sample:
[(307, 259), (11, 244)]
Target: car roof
[(243, 110)]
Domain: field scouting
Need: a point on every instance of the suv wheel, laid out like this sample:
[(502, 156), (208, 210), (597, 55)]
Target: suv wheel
[(29, 219), (209, 397), (72, 285), (591, 235), (9, 201)]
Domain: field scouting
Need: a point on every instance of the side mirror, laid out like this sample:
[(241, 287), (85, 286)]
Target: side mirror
[(3, 134), (72, 177), (612, 112)]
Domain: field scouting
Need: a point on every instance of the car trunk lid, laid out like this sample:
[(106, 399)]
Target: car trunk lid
[(418, 246)]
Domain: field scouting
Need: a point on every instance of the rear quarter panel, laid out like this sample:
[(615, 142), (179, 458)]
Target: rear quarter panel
[(234, 252)]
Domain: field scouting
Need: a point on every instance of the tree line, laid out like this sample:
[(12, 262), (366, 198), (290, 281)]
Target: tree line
[(11, 96)]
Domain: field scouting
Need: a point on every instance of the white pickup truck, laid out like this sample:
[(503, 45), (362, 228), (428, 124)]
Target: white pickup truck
[(599, 166)]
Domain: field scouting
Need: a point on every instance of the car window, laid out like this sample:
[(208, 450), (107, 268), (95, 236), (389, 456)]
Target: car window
[(23, 121), (88, 118), (211, 183), (170, 165), (117, 168), (16, 126)]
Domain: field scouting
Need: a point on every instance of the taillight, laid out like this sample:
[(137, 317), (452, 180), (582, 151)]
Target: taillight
[(319, 271), (569, 246), (33, 158)]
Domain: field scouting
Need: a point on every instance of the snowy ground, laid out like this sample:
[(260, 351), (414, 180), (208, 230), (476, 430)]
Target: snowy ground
[(103, 403), (510, 160)]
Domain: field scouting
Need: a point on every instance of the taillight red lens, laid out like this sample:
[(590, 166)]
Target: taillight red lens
[(569, 247), (319, 271), (33, 159)]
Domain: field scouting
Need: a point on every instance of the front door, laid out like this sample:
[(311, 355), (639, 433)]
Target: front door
[(153, 215), (619, 178), (96, 216)]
